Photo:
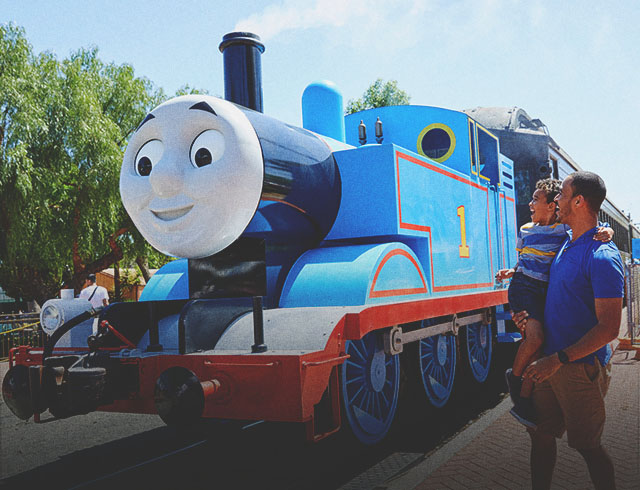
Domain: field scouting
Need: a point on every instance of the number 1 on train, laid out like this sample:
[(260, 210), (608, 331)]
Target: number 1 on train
[(463, 248)]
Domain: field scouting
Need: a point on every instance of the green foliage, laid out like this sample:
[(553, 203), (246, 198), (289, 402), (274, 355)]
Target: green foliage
[(189, 90), (129, 279), (64, 126), (379, 94)]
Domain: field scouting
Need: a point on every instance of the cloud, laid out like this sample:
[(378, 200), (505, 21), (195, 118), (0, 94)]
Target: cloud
[(290, 15), (427, 29), (392, 25), (537, 13)]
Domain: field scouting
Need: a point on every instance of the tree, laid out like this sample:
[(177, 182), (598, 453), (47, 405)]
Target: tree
[(63, 130), (379, 94)]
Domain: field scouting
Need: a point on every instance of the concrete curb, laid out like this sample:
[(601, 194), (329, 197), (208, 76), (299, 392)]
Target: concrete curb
[(416, 474)]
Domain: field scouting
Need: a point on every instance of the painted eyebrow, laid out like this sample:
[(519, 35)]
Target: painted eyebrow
[(146, 119), (203, 106)]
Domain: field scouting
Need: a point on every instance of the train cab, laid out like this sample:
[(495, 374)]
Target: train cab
[(444, 136)]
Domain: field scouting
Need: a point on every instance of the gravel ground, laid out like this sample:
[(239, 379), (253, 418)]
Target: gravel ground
[(27, 445)]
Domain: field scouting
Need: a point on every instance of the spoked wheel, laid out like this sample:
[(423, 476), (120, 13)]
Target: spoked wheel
[(437, 361), (369, 388), (478, 343)]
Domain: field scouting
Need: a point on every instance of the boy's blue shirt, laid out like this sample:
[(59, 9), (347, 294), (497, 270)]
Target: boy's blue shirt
[(581, 271), (537, 246)]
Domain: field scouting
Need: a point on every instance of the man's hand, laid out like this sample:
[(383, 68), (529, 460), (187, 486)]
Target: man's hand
[(520, 319), (542, 369), (503, 274)]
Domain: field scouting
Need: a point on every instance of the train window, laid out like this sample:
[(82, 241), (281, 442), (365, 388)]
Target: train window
[(437, 141), (620, 232), (488, 155), (554, 167), (472, 147)]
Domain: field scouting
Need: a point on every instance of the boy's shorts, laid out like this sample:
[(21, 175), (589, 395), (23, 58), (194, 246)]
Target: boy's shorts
[(573, 400), (527, 293)]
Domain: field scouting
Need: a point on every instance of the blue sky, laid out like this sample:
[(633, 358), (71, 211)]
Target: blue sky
[(573, 64)]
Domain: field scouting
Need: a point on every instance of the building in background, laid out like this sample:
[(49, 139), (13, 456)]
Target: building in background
[(131, 283), (9, 304)]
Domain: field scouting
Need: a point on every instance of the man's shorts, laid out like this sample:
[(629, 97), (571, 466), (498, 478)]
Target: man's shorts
[(527, 293), (573, 400)]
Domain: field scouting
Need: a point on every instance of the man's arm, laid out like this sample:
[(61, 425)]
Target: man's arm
[(609, 313), (105, 297)]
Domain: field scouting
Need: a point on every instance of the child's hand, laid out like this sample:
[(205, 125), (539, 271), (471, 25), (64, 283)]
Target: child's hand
[(520, 319), (503, 274), (604, 234)]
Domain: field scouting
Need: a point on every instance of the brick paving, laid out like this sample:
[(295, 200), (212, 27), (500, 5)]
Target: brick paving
[(498, 457)]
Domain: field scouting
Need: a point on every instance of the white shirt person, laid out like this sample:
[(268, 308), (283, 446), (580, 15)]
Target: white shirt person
[(96, 295)]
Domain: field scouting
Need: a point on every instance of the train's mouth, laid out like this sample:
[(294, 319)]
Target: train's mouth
[(172, 214)]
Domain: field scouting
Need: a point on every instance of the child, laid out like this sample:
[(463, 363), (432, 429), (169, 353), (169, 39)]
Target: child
[(538, 243)]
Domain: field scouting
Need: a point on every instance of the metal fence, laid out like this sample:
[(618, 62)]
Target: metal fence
[(632, 285), (20, 329)]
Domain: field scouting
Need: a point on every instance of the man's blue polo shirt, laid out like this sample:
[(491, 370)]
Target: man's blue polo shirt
[(582, 271)]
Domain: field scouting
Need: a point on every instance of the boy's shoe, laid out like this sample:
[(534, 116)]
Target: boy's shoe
[(514, 385), (525, 413)]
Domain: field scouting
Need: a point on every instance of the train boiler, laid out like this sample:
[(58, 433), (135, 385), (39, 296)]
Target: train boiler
[(310, 260)]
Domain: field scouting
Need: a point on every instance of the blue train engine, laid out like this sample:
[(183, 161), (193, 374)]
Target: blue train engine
[(310, 260)]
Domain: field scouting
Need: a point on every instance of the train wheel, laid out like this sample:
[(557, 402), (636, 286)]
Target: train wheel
[(477, 338), (369, 388), (437, 361)]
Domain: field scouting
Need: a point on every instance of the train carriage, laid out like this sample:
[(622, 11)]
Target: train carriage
[(536, 155)]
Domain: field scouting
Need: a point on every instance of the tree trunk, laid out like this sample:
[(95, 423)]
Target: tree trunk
[(144, 268), (33, 306), (79, 275), (116, 282)]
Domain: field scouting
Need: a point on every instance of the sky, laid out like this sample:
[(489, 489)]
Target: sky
[(573, 64)]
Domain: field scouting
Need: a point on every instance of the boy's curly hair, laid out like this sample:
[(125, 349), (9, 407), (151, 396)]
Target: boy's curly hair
[(550, 187)]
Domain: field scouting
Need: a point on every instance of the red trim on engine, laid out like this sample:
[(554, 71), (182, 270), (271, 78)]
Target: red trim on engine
[(427, 229), (397, 292)]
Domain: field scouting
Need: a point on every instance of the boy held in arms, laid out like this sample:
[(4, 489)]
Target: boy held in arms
[(537, 245)]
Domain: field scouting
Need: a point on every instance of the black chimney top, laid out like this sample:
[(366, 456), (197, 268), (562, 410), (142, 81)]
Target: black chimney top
[(242, 69)]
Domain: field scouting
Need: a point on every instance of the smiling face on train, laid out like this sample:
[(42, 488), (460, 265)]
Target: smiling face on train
[(192, 176)]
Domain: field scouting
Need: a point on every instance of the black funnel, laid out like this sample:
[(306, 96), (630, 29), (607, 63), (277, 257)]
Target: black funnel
[(242, 69)]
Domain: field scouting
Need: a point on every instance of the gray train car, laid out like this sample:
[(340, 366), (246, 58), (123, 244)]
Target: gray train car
[(536, 155)]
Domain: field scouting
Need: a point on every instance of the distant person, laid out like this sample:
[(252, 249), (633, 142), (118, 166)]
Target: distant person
[(582, 316), (96, 295), (537, 245)]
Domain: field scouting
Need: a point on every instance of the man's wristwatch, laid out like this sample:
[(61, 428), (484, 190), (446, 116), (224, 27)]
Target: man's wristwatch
[(563, 357)]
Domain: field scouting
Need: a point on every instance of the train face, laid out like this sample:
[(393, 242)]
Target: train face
[(192, 176), (362, 253)]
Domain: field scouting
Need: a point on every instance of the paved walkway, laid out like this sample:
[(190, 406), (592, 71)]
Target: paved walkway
[(494, 452)]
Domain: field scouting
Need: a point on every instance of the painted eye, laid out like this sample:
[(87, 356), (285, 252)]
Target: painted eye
[(148, 155), (207, 148)]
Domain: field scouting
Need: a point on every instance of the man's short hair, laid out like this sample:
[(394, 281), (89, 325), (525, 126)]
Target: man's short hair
[(591, 187), (550, 187), (92, 277)]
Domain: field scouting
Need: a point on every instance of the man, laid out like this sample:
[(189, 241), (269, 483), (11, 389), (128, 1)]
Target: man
[(96, 295), (582, 315)]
